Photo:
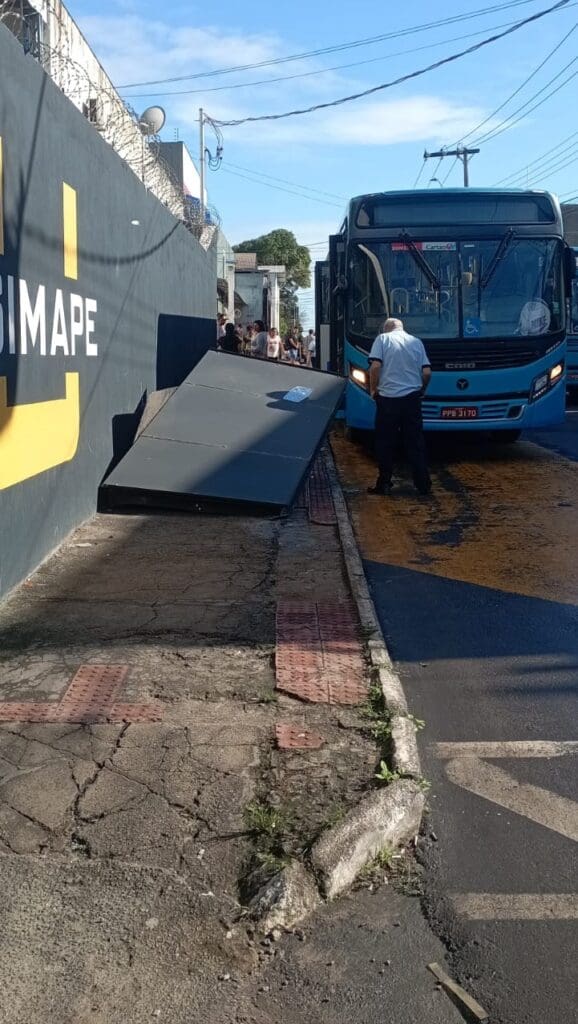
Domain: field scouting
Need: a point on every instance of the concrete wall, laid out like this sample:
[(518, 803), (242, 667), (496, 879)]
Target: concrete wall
[(117, 297)]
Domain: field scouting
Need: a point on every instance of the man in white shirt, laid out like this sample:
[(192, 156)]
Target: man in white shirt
[(399, 374)]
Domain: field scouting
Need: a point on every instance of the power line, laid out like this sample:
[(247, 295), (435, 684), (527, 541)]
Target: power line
[(421, 170), (334, 49), (520, 87), (436, 169), (450, 170), (548, 167), (285, 181), (512, 120), (279, 188), (323, 71), (516, 174), (397, 81), (554, 170)]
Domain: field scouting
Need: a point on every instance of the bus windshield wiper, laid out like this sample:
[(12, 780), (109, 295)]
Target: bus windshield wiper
[(497, 258), (420, 260)]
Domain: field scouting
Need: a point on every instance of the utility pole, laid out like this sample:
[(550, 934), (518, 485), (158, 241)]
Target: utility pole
[(461, 152), (202, 163)]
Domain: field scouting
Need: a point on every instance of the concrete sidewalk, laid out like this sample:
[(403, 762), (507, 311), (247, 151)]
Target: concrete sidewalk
[(141, 787)]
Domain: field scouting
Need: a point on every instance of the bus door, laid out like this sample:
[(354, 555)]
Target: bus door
[(322, 316), (337, 295)]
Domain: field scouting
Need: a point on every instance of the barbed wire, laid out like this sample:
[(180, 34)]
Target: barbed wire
[(88, 87)]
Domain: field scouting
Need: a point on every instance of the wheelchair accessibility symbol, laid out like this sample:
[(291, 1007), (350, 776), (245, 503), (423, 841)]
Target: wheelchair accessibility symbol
[(472, 326)]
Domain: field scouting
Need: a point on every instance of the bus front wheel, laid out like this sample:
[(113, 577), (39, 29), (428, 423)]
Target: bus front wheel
[(506, 436)]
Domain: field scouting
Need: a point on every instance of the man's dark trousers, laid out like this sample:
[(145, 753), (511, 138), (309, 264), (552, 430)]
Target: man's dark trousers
[(395, 416)]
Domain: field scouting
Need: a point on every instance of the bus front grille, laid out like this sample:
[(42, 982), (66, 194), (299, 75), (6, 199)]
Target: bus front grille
[(480, 357)]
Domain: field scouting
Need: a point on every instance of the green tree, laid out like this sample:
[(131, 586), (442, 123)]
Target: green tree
[(281, 248)]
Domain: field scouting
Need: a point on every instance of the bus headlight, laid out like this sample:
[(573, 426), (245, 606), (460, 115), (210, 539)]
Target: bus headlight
[(545, 381), (540, 385), (360, 377)]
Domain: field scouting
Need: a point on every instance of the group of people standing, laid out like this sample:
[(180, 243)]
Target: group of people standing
[(255, 340)]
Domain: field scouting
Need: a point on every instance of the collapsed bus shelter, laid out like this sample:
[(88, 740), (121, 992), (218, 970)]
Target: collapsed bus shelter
[(237, 431)]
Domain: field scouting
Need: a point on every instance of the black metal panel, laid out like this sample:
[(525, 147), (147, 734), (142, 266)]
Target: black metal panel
[(228, 434)]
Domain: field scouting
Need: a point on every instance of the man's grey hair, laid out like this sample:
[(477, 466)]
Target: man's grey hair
[(392, 324)]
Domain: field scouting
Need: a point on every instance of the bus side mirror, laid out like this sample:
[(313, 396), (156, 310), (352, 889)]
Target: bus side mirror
[(569, 267)]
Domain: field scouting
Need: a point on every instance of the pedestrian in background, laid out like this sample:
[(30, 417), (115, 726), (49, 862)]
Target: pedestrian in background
[(291, 346), (221, 321), (274, 344), (248, 335), (230, 340), (310, 347), (260, 340), (399, 374)]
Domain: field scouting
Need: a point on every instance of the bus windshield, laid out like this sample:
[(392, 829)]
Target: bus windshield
[(507, 287)]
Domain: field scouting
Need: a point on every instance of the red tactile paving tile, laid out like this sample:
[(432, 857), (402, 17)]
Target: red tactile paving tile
[(292, 737), (319, 498), (135, 713), (13, 711), (89, 698), (319, 656), (92, 692)]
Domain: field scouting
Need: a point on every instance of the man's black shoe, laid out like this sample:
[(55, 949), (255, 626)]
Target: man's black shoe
[(383, 489)]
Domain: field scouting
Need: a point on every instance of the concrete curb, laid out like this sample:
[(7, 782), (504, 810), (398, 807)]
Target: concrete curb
[(386, 817), (405, 756)]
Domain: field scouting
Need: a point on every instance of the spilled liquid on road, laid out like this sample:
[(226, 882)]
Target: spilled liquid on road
[(502, 516)]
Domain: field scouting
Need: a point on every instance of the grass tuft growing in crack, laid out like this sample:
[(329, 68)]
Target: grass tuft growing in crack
[(385, 774), (375, 709)]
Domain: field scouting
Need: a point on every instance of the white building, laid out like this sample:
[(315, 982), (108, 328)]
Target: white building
[(50, 35), (259, 288)]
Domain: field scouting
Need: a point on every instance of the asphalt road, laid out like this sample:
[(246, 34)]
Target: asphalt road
[(477, 591)]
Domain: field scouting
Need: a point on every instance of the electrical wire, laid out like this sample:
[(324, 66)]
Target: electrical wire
[(421, 170), (279, 188), (512, 120), (397, 81), (435, 173), (539, 159), (323, 71), (450, 170), (274, 61), (285, 181), (542, 170), (554, 170), (518, 90)]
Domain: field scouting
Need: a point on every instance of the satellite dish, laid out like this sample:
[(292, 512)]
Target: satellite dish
[(152, 120)]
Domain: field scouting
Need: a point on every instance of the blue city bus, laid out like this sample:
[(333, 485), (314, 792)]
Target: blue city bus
[(482, 277), (572, 354)]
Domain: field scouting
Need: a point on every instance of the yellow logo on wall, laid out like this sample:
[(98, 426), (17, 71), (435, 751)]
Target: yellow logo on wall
[(41, 435)]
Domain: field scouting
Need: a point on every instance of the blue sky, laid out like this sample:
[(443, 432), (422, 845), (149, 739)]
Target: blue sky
[(369, 145)]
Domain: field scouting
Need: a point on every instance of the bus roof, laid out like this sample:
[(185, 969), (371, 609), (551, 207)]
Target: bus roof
[(454, 191)]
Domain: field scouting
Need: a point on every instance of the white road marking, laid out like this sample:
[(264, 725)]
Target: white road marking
[(513, 748), (540, 805), (489, 906)]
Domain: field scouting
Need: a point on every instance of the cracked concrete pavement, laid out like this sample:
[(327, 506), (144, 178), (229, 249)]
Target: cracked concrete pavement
[(124, 847)]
